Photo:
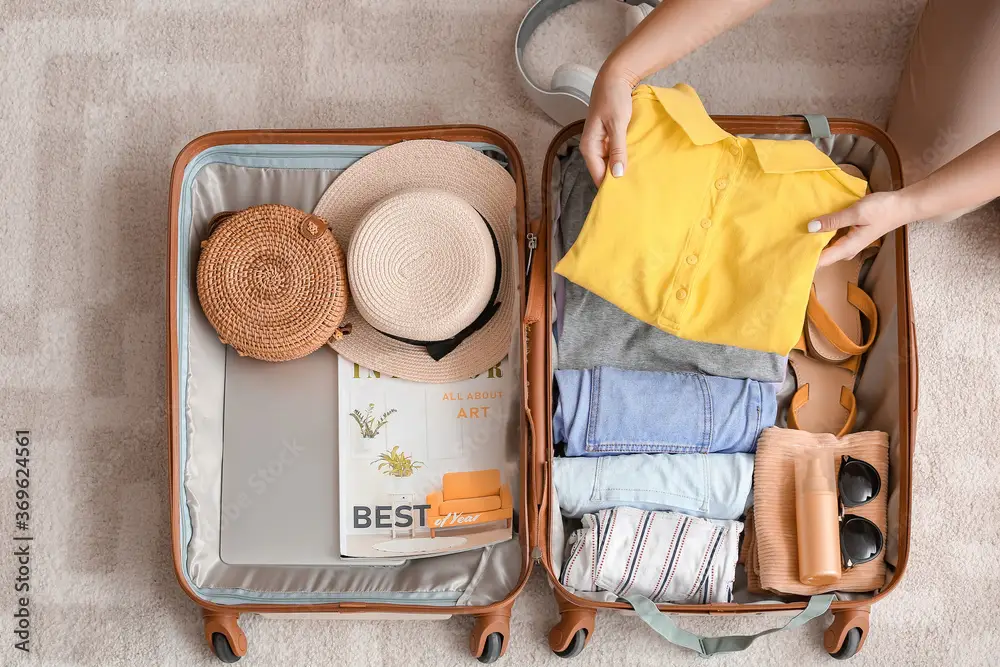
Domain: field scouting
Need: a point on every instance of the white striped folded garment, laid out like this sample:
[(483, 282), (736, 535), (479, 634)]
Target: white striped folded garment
[(665, 556)]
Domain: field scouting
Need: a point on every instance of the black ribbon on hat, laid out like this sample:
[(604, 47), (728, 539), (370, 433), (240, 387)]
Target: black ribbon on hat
[(439, 349)]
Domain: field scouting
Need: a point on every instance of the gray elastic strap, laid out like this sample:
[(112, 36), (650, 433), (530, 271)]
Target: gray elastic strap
[(819, 126), (665, 627)]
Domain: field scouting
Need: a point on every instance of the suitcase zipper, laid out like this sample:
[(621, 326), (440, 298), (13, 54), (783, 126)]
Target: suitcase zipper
[(239, 152), (334, 600), (335, 160), (532, 244)]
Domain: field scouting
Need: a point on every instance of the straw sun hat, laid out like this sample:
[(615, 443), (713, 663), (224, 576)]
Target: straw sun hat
[(428, 231)]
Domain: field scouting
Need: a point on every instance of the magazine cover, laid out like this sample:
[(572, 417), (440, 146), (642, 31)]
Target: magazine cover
[(425, 469)]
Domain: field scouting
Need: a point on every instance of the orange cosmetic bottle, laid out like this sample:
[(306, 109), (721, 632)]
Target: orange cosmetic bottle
[(816, 519)]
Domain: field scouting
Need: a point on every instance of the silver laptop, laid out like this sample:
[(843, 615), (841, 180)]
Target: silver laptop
[(279, 463)]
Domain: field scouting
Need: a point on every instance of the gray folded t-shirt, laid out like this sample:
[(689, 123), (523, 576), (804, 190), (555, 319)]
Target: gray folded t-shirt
[(594, 332)]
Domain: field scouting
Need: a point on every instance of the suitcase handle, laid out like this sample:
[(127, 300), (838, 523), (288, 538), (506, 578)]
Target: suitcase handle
[(819, 125), (705, 646)]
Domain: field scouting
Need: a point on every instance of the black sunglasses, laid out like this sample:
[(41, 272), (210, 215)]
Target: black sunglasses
[(858, 483)]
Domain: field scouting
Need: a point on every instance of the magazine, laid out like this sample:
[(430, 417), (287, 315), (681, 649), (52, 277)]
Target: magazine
[(425, 468)]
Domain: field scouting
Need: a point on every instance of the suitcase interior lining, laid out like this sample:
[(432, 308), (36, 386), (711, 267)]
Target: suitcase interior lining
[(877, 390), (232, 178)]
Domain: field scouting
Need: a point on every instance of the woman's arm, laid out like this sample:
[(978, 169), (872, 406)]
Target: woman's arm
[(971, 179), (673, 30)]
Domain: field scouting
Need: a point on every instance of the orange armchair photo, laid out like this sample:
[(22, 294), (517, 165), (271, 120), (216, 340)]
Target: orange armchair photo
[(469, 499)]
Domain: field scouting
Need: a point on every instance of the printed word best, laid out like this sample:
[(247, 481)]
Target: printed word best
[(384, 519)]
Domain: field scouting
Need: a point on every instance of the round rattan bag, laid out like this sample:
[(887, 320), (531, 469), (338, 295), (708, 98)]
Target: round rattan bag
[(272, 281)]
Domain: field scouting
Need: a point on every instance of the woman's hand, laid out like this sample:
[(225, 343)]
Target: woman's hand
[(966, 182), (673, 30), (869, 218), (603, 140)]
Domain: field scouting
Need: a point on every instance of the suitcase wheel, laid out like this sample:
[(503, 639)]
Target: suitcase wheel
[(490, 634), (225, 636), (847, 634), (576, 645), (491, 650), (223, 651), (852, 642), (570, 635)]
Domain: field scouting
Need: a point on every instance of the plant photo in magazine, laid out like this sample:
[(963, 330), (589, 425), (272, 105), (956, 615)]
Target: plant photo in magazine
[(425, 468)]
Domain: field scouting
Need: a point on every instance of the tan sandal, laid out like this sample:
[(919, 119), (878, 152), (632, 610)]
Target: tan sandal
[(824, 400), (827, 358), (836, 304), (853, 171), (834, 334)]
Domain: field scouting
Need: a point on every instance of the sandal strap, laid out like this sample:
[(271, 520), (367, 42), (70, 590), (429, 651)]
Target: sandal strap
[(799, 399), (850, 404), (851, 363), (858, 298), (847, 401), (871, 249)]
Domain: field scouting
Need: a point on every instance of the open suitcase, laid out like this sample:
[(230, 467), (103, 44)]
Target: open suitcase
[(293, 167), (886, 391), (230, 171)]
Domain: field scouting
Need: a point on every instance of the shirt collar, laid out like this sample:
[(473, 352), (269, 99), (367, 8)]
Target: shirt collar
[(774, 156), (783, 156), (683, 105)]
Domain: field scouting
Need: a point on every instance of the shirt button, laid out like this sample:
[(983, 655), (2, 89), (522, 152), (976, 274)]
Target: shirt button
[(721, 184), (734, 149), (682, 294), (692, 259), (706, 223)]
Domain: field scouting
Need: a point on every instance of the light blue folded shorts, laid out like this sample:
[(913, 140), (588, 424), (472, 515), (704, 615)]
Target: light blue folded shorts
[(711, 486)]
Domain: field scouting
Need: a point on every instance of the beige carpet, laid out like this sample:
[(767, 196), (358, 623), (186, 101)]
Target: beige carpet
[(98, 96)]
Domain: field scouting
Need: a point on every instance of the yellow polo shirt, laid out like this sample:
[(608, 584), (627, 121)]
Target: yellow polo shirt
[(705, 234)]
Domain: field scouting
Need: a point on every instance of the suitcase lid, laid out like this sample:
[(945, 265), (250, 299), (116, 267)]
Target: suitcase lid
[(362, 138)]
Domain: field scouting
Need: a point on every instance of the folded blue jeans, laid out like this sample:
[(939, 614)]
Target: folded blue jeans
[(711, 486), (608, 410)]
